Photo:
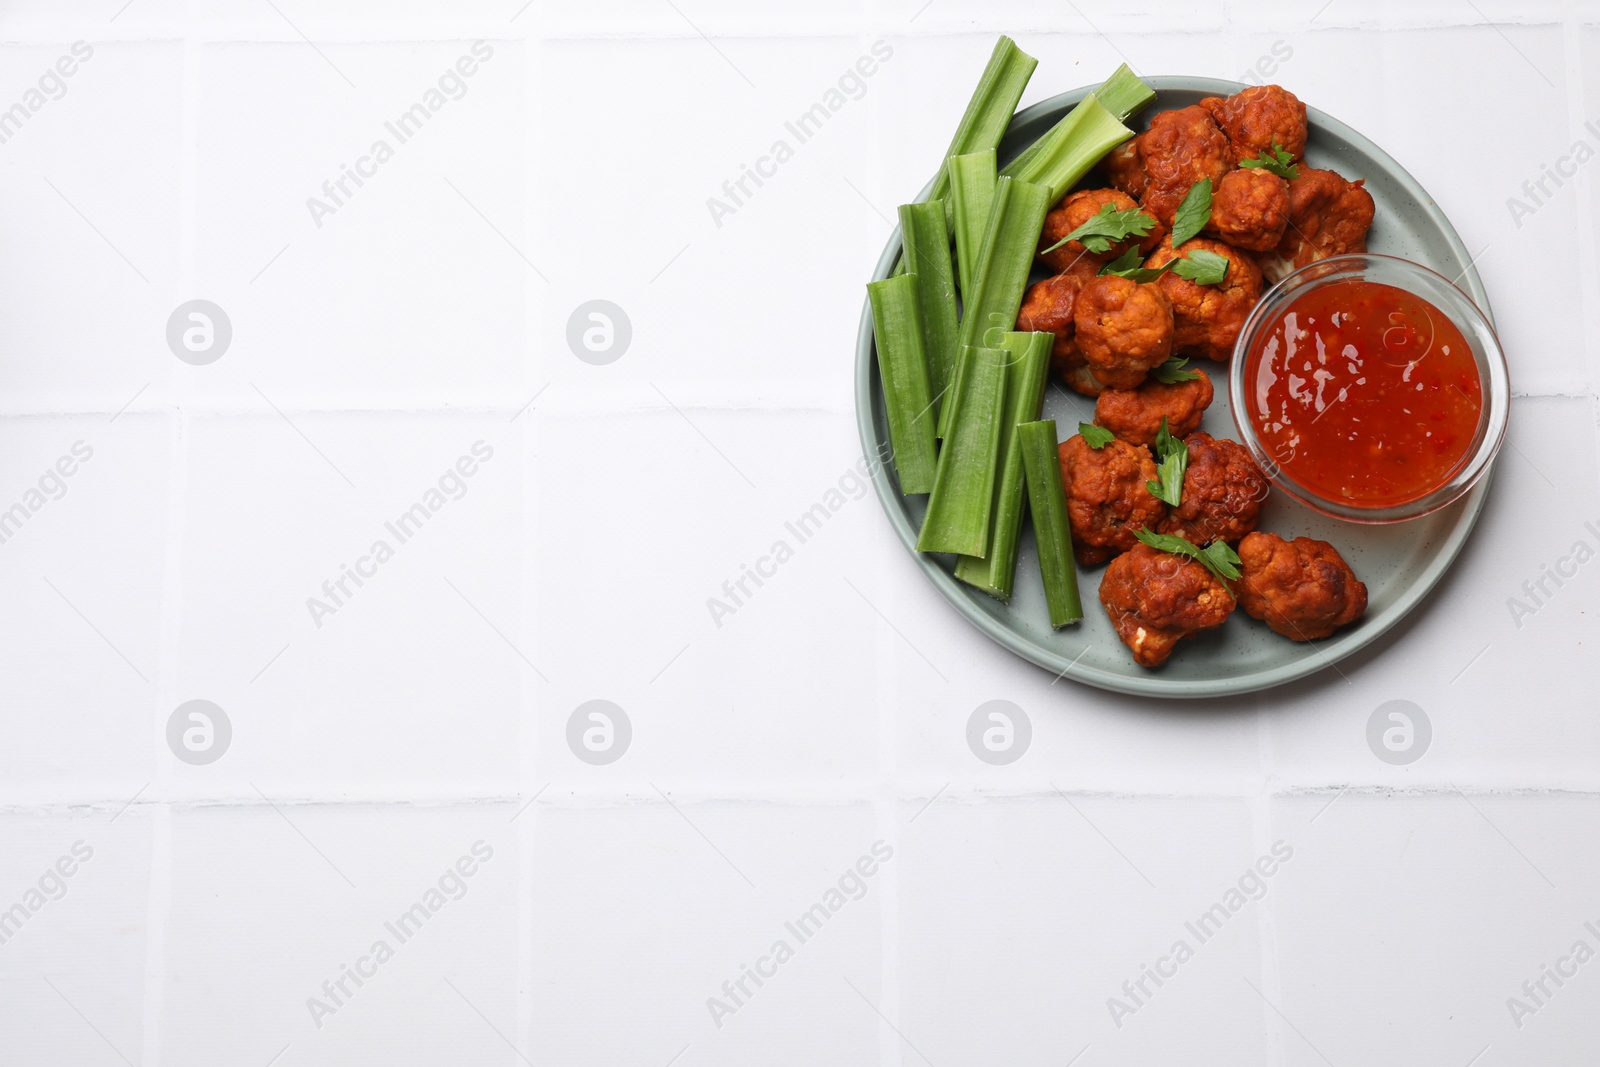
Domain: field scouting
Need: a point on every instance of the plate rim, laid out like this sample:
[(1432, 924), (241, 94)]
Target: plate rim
[(1328, 652)]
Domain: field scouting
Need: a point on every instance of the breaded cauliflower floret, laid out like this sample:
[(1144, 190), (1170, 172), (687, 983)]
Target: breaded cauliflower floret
[(1047, 307), (1124, 329), (1208, 318), (1180, 148), (1156, 599), (1124, 170), (1303, 589), (1135, 414), (1107, 501), (1075, 210), (1250, 210), (1257, 118), (1223, 491), (1328, 216)]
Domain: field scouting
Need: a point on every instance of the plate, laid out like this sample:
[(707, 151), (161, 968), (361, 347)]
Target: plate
[(1400, 563)]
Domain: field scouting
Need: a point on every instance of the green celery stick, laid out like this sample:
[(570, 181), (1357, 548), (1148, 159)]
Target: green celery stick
[(927, 244), (996, 573), (903, 367), (990, 309), (972, 179), (991, 107), (1070, 148), (1121, 95), (963, 485), (986, 119), (1047, 499)]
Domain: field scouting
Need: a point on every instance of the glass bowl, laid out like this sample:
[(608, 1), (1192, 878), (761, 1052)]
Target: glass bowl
[(1442, 294)]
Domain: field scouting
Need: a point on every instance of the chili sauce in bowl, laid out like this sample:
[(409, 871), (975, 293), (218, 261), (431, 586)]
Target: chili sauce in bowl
[(1370, 388)]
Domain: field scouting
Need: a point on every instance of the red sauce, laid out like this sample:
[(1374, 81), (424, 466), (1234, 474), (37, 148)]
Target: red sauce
[(1364, 393)]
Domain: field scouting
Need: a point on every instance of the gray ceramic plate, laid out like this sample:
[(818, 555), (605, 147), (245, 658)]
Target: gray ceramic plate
[(1400, 563)]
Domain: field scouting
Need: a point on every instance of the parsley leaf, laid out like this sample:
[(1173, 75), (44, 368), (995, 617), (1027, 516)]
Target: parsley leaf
[(1217, 558), (1106, 228), (1172, 463), (1193, 213), (1129, 260), (1202, 267), (1095, 436), (1276, 160), (1171, 372), (1127, 265)]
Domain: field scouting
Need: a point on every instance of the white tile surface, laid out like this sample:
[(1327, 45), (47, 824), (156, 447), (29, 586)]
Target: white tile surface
[(768, 748)]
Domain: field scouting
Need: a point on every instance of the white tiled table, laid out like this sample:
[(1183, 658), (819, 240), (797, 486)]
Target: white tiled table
[(768, 754)]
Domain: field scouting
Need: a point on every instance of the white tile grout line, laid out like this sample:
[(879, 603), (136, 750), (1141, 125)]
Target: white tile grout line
[(1298, 1032), (268, 31), (158, 907), (833, 795)]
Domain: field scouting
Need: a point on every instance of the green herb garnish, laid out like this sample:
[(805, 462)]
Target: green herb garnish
[(1172, 462), (1095, 437), (1193, 213), (1129, 260), (1202, 267), (1128, 265), (1275, 160), (1171, 372), (1107, 227), (1217, 558)]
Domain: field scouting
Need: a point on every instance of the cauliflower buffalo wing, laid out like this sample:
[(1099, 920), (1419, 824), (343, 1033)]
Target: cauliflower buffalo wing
[(1179, 149), (1135, 414), (1075, 210), (1048, 306), (1256, 118), (1302, 589), (1207, 318), (1250, 210), (1124, 170), (1328, 216), (1107, 501), (1156, 599), (1124, 330), (1223, 491)]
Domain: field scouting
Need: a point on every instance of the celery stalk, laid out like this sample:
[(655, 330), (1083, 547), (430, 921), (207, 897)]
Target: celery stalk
[(972, 179), (927, 249), (963, 486), (1047, 499), (903, 367), (1070, 148), (990, 309), (996, 573), (1121, 95), (989, 111)]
